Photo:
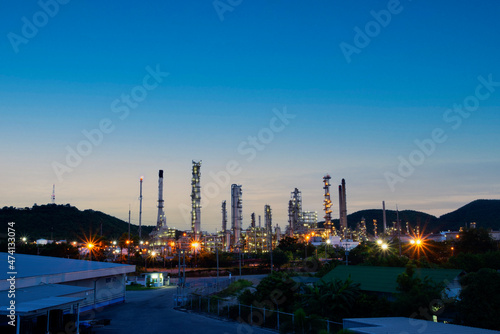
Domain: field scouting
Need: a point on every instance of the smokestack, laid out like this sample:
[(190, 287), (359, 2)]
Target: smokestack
[(344, 206), (224, 216), (384, 217), (160, 221), (341, 204)]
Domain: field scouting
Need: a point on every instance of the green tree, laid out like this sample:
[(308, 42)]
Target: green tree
[(479, 304), (334, 300), (280, 258), (475, 240), (277, 290), (417, 297)]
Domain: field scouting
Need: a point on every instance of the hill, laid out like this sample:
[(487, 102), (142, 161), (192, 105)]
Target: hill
[(414, 218), (65, 222), (485, 212)]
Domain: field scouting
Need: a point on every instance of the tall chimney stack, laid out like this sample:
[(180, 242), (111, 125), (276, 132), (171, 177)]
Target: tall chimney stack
[(160, 221)]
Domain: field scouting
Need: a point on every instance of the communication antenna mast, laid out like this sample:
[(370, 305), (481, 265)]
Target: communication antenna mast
[(53, 197), (140, 210)]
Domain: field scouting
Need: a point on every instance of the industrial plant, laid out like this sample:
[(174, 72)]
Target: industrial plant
[(260, 235)]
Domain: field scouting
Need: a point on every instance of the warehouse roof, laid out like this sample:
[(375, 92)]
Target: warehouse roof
[(32, 270), (43, 297)]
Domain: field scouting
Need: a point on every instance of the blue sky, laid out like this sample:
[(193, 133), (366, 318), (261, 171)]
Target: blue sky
[(226, 81)]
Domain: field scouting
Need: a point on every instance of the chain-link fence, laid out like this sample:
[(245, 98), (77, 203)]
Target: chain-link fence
[(256, 316)]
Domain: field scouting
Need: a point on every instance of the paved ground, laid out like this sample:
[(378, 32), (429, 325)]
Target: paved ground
[(152, 312)]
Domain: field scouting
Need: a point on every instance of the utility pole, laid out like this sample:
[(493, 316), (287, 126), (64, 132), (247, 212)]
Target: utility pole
[(217, 282), (399, 228), (239, 254), (140, 211), (128, 250)]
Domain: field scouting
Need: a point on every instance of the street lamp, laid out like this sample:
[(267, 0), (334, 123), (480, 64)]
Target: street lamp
[(326, 248), (90, 246), (195, 245), (307, 242)]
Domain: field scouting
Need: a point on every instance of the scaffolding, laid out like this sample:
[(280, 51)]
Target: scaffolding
[(236, 213), (295, 212), (327, 203)]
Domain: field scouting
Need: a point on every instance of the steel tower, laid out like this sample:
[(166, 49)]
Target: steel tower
[(327, 203), (236, 212), (196, 201)]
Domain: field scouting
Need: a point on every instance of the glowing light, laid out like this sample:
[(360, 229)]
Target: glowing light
[(90, 245), (384, 246), (379, 242)]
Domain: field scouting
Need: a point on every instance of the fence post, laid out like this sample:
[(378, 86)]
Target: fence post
[(208, 304), (218, 310), (264, 315), (278, 315), (328, 325), (239, 310), (251, 315), (293, 323), (199, 303)]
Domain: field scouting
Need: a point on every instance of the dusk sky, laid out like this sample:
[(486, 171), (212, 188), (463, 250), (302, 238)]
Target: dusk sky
[(402, 99)]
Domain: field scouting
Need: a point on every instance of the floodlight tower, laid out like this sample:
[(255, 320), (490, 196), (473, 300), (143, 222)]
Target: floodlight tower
[(327, 203), (196, 201)]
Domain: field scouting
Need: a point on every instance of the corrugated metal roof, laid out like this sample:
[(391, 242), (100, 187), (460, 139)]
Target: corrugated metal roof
[(42, 305), (28, 298), (383, 279), (32, 270), (35, 265)]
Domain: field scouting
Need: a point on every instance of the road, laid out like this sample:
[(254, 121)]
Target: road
[(152, 312)]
